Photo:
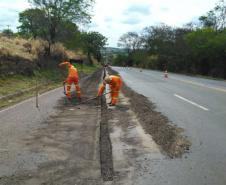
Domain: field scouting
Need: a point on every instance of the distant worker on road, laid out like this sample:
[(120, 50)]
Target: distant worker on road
[(72, 78), (115, 83)]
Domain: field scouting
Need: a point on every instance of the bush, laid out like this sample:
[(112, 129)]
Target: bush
[(28, 47), (4, 52), (58, 51), (39, 48)]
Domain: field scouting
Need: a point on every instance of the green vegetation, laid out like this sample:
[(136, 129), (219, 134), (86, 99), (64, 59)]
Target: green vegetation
[(92, 44), (87, 69), (197, 48), (49, 19), (46, 80), (12, 84), (56, 21), (48, 34)]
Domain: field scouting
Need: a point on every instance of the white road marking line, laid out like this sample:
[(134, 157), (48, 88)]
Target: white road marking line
[(191, 102), (200, 84)]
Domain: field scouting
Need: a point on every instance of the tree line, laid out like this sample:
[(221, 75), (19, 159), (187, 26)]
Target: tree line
[(196, 48), (57, 21)]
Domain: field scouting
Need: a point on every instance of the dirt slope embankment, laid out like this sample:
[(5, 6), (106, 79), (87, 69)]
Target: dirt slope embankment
[(22, 56)]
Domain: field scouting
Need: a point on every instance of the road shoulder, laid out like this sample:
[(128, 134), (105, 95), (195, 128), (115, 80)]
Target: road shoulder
[(63, 149)]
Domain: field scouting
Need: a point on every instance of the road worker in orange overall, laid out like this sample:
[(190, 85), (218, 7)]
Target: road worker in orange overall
[(115, 83), (72, 78)]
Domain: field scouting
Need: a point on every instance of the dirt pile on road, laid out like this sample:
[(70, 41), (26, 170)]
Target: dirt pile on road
[(164, 133)]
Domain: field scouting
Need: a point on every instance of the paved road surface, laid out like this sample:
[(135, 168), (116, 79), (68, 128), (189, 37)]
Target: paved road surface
[(17, 122), (56, 145), (197, 105)]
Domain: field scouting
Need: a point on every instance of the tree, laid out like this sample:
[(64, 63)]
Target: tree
[(130, 41), (67, 33), (220, 11), (158, 39), (208, 51), (92, 43), (7, 32), (58, 11), (120, 60), (209, 20), (215, 18), (34, 23)]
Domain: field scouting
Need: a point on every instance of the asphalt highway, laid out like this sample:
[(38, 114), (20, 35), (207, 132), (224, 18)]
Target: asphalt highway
[(18, 122), (198, 106)]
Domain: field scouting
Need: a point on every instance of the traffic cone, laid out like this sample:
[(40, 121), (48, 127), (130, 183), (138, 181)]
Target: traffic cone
[(166, 74)]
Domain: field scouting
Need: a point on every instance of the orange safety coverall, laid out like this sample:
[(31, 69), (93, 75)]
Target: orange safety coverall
[(72, 78), (115, 85)]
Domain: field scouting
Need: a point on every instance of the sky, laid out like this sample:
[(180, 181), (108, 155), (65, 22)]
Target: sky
[(112, 18)]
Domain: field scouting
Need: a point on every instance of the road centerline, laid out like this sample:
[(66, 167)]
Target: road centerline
[(191, 102)]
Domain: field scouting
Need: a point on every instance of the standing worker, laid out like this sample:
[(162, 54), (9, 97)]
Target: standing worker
[(115, 84), (72, 78)]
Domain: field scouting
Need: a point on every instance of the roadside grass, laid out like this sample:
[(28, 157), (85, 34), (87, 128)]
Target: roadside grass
[(16, 99), (46, 80), (87, 69)]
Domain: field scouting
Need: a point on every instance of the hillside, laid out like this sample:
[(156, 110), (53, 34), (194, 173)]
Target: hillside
[(112, 50), (25, 63), (21, 56)]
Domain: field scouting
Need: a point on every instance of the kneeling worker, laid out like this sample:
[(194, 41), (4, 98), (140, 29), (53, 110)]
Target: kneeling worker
[(72, 78), (115, 84)]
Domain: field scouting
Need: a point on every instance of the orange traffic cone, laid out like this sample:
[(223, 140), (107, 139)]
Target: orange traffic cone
[(166, 74)]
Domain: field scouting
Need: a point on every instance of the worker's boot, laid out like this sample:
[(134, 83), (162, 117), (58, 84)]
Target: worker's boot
[(69, 97)]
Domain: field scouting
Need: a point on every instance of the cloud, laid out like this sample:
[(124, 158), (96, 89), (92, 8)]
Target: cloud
[(164, 9), (114, 18), (141, 9), (108, 19), (9, 17), (93, 25), (9, 13), (132, 21)]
